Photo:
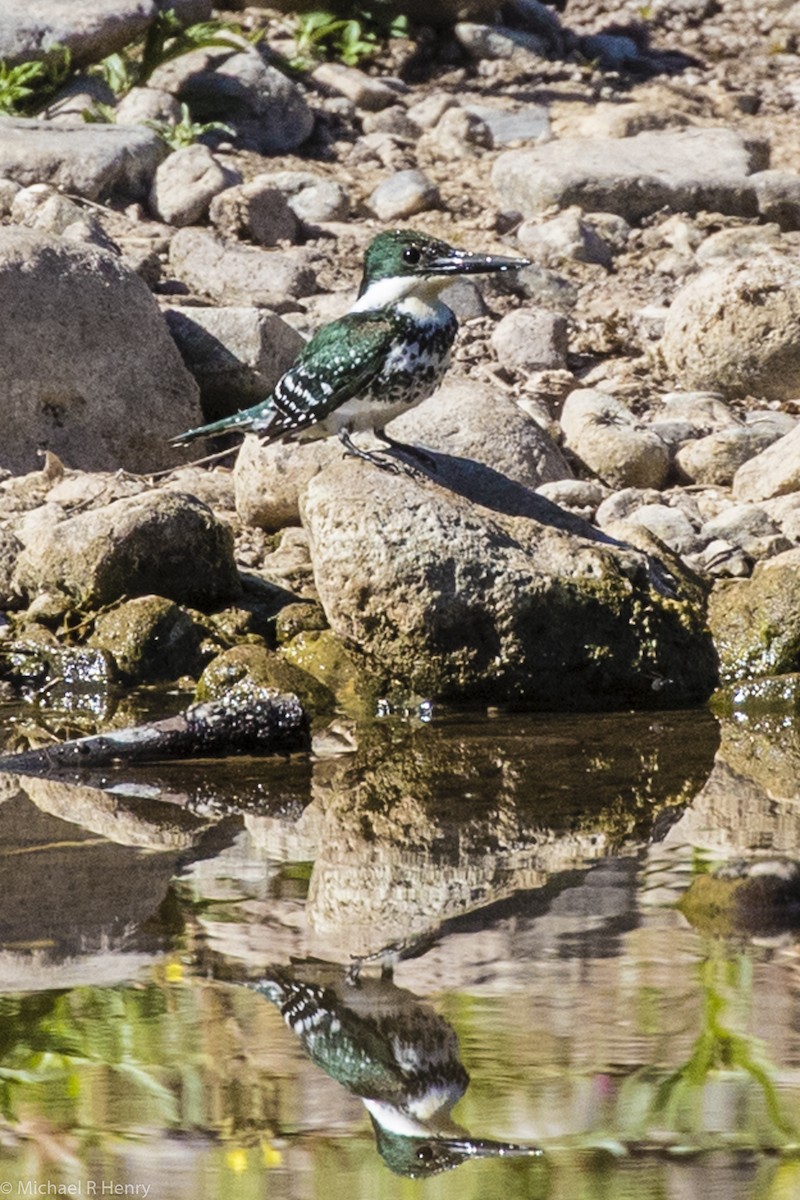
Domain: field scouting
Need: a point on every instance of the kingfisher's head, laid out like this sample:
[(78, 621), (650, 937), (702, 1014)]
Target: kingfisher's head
[(403, 262)]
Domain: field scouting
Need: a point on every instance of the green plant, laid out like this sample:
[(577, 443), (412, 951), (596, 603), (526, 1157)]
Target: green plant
[(15, 85), (165, 40), (326, 34), (185, 132), (28, 84)]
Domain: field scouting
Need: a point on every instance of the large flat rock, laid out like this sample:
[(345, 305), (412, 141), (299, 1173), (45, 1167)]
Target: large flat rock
[(89, 29), (686, 170), (503, 600), (90, 160)]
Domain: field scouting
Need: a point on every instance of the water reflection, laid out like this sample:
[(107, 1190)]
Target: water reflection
[(398, 1055), (575, 914)]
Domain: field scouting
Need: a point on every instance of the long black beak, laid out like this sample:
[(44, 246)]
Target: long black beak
[(459, 262), (485, 1148)]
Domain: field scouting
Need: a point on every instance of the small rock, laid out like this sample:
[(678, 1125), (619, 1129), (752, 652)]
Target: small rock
[(736, 328), (256, 211), (703, 412), (365, 92), (90, 31), (670, 525), (739, 242), (778, 197), (527, 124), (143, 104), (459, 134), (465, 299), (568, 236), (748, 527), (236, 354), (721, 559), (270, 479), (160, 543), (429, 111), (185, 184), (267, 110), (402, 195), (605, 435), (497, 41), (77, 97), (580, 496), (717, 457), (391, 120), (531, 339), (545, 287), (471, 420), (266, 669), (773, 472), (324, 201), (234, 274), (288, 566), (150, 638), (754, 621)]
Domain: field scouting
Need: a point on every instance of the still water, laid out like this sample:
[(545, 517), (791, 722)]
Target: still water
[(470, 938)]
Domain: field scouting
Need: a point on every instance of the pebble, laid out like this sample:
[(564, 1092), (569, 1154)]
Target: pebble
[(365, 92), (256, 211), (607, 438), (750, 528), (497, 41), (717, 457), (185, 184), (566, 237), (531, 339), (402, 195), (325, 201), (736, 327)]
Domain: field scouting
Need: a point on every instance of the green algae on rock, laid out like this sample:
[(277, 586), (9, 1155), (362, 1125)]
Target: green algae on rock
[(150, 638), (756, 622), (470, 588), (263, 668)]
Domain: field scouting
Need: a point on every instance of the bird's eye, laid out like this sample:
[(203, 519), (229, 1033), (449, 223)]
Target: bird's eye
[(411, 254), (424, 1152)]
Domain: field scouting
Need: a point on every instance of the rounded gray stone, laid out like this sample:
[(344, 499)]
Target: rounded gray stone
[(89, 368)]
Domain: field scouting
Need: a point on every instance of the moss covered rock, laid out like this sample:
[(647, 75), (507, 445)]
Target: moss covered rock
[(472, 588), (756, 622), (151, 638), (264, 668)]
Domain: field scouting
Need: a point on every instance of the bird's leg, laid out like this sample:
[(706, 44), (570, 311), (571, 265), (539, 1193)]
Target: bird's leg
[(404, 448), (376, 459)]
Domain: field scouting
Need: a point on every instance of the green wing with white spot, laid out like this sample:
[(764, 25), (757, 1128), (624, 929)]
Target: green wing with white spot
[(339, 362)]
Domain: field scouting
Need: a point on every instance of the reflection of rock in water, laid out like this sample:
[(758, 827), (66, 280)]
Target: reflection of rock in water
[(760, 898), (439, 821), (397, 1054), (747, 820)]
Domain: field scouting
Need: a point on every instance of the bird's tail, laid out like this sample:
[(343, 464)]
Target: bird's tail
[(239, 421)]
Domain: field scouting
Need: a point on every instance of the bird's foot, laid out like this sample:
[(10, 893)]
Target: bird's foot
[(423, 458), (351, 450)]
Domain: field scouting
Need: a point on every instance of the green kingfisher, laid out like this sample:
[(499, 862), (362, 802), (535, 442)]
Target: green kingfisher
[(383, 357), (399, 1056)]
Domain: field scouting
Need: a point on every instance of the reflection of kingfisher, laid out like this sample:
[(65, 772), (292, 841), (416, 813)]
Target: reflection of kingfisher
[(399, 1056)]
